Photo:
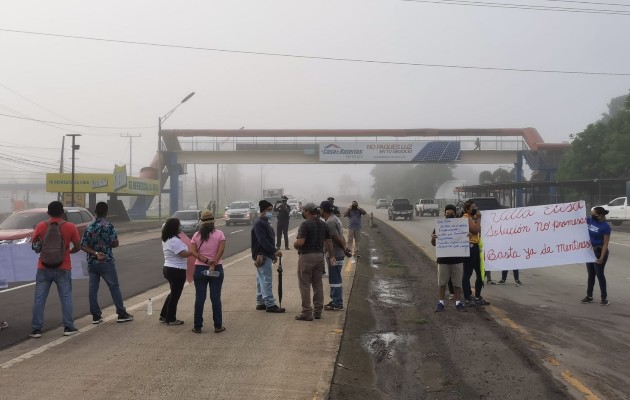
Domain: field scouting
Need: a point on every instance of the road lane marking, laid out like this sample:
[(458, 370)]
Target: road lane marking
[(567, 376), (240, 230), (17, 287)]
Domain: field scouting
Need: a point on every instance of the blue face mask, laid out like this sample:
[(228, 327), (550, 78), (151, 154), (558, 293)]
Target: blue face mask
[(269, 214)]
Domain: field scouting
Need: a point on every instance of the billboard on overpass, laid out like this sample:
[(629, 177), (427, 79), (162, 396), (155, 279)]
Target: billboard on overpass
[(390, 151)]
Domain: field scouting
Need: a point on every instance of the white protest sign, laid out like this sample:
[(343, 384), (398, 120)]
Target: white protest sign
[(533, 237), (452, 237), (18, 263)]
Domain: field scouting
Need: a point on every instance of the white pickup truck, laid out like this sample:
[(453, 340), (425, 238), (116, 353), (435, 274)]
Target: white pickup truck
[(427, 206), (618, 211)]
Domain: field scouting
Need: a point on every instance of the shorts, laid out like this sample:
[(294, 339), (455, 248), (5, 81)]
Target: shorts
[(454, 272)]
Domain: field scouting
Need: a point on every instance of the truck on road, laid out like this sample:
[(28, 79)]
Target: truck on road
[(427, 206), (617, 211), (400, 208)]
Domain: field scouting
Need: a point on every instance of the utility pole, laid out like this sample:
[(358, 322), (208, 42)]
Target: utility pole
[(74, 147), (63, 144), (130, 136)]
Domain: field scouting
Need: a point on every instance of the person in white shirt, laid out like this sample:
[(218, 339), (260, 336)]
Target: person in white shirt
[(175, 254)]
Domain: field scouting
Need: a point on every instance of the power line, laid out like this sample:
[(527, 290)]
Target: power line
[(522, 7), (354, 60), (79, 125), (591, 2), (38, 105)]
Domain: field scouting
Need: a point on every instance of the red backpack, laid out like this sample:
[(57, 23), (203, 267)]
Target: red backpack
[(53, 246)]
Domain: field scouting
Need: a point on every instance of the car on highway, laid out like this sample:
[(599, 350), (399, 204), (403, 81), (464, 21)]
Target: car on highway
[(189, 220), (19, 226), (400, 208), (382, 203), (241, 211)]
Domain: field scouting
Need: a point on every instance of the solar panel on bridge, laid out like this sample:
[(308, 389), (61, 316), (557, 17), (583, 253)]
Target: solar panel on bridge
[(439, 151)]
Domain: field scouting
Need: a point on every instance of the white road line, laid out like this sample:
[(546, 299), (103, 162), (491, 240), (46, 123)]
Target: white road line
[(240, 230), (620, 244), (17, 287), (88, 328)]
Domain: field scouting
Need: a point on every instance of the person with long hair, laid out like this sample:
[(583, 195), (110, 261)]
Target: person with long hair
[(175, 254), (599, 232), (207, 245)]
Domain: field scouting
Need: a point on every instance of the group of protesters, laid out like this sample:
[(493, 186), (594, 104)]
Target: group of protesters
[(456, 272)]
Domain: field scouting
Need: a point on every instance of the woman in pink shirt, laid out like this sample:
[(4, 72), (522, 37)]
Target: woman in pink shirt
[(207, 245)]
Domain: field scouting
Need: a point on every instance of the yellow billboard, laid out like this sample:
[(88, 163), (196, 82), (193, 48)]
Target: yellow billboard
[(116, 183)]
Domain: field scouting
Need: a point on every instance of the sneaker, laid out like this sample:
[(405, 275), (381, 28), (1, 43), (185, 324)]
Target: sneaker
[(70, 331), (439, 307), (501, 282), (176, 322), (518, 283), (275, 309), (261, 307), (124, 317), (196, 330), (332, 307), (587, 300), (162, 320), (36, 333), (460, 307), (302, 317), (317, 316), (481, 301), (604, 302), (219, 329), (3, 325), (491, 282), (97, 319), (286, 248)]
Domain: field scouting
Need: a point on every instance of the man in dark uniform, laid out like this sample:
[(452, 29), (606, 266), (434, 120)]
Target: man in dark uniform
[(282, 227), (335, 209)]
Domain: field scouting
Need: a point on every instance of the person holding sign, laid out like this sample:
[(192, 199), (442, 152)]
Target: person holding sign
[(473, 262), (449, 268), (599, 232)]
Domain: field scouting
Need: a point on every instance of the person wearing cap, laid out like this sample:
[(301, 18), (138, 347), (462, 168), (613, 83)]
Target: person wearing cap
[(282, 226), (208, 244), (335, 208), (98, 240), (599, 231), (264, 254), (354, 214), (450, 269), (340, 250), (312, 237), (61, 275)]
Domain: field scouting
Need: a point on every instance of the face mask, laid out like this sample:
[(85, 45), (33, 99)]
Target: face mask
[(595, 217), (473, 211), (269, 214), (354, 207)]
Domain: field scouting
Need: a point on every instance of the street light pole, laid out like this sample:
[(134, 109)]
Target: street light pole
[(130, 148), (160, 166), (74, 147)]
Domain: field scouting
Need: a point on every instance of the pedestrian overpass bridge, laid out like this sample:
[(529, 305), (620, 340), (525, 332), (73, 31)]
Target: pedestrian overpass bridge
[(179, 147)]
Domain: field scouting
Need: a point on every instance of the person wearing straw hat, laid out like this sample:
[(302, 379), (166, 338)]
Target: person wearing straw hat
[(208, 245)]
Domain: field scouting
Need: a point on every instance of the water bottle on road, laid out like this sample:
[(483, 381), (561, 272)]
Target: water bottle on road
[(150, 306)]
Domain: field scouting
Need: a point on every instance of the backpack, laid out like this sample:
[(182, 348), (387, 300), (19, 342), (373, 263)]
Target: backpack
[(53, 246)]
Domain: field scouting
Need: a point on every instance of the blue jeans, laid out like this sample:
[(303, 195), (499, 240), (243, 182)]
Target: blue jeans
[(334, 281), (107, 271), (597, 270), (43, 280), (264, 286), (201, 286)]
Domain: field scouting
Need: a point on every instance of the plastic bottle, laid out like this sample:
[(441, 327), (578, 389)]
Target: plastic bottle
[(150, 306), (353, 260), (214, 273)]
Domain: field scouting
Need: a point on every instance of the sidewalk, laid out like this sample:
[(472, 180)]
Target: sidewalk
[(260, 355)]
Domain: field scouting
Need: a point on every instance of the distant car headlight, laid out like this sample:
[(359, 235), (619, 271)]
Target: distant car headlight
[(22, 240)]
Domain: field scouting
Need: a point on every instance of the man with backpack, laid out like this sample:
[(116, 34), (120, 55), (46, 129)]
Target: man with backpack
[(54, 237), (98, 240)]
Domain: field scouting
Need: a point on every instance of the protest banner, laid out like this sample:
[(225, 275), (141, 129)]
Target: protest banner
[(534, 237), (18, 263), (452, 237)]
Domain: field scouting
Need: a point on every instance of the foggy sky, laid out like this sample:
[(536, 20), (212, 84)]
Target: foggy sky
[(130, 86)]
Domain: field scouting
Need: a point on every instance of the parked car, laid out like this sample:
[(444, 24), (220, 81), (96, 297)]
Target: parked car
[(427, 206), (618, 211), (400, 208), (19, 226), (241, 211), (382, 203), (189, 219)]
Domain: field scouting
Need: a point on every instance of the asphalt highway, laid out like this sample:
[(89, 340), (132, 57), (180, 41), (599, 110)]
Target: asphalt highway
[(139, 263)]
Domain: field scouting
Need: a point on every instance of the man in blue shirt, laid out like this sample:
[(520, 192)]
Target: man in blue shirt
[(98, 240), (354, 213)]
